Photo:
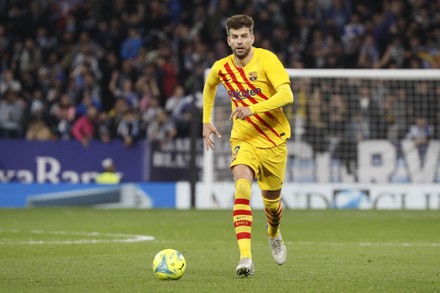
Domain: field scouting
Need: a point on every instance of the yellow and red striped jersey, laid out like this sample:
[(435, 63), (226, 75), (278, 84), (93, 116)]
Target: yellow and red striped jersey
[(248, 86)]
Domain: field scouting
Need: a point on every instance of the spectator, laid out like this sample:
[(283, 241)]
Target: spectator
[(147, 85), (83, 129), (4, 42), (363, 102), (11, 114), (395, 115), (8, 82), (352, 30), (161, 130), (131, 45), (175, 100), (151, 113), (83, 105), (356, 130), (315, 126), (177, 107), (168, 76), (108, 66), (369, 53), (115, 114), (104, 127), (37, 105), (394, 54), (146, 96), (85, 61), (62, 123), (420, 133), (30, 56), (63, 104), (38, 130), (337, 111), (128, 128), (338, 12), (127, 92), (86, 50), (157, 49)]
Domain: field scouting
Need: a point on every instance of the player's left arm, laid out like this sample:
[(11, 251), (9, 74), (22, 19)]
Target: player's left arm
[(281, 98), (279, 79)]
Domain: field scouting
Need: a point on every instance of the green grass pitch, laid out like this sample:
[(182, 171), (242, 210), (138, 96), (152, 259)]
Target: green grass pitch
[(57, 250)]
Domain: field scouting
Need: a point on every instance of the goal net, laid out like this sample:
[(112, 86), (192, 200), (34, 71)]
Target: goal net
[(367, 126)]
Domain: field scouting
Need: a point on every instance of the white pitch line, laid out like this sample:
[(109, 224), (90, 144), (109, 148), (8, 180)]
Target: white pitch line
[(128, 238), (121, 238), (377, 244), (312, 243)]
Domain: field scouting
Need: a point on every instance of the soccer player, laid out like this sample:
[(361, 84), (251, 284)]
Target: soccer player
[(258, 86)]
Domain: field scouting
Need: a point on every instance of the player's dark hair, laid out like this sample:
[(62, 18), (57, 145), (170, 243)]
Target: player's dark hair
[(238, 21)]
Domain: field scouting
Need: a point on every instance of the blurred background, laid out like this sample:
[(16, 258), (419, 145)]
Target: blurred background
[(84, 81)]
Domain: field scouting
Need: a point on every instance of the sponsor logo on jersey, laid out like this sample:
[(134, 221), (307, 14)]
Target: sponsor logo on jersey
[(243, 94)]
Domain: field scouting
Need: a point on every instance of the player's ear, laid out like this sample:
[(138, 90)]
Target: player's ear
[(253, 38), (229, 42)]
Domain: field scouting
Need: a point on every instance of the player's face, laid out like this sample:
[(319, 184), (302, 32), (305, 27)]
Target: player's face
[(240, 41)]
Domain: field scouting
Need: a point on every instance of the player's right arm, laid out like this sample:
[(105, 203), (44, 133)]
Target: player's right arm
[(208, 129), (209, 92)]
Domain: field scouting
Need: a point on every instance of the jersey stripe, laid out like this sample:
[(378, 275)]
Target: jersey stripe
[(259, 118), (228, 85), (235, 80), (261, 94)]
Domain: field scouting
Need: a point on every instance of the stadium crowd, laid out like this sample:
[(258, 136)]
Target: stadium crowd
[(129, 70)]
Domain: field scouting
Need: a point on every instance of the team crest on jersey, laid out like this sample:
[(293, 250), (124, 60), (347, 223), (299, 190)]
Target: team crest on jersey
[(253, 76)]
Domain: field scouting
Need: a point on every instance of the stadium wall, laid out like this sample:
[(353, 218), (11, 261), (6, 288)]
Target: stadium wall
[(130, 195), (67, 162), (380, 161), (332, 196), (177, 196), (70, 162), (62, 174)]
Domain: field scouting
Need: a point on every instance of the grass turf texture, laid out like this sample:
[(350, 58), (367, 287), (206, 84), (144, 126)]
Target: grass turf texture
[(328, 251)]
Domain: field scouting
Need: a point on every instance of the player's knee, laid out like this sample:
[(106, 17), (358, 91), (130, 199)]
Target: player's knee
[(271, 195), (243, 188)]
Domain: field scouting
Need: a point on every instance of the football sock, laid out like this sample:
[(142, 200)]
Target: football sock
[(243, 217), (274, 211)]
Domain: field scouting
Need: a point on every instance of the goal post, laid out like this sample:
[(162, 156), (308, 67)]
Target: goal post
[(350, 126)]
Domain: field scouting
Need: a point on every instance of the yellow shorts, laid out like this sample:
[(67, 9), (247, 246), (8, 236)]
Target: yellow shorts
[(269, 165)]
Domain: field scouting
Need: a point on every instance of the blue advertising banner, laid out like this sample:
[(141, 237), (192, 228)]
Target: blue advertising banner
[(69, 162), (140, 195)]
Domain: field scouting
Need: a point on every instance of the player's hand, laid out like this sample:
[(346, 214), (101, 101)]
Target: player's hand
[(241, 113), (209, 129)]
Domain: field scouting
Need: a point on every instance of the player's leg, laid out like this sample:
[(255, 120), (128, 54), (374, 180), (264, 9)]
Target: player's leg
[(273, 165), (243, 166), (273, 209), (242, 217)]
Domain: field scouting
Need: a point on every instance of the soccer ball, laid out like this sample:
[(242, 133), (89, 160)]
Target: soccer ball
[(169, 264)]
